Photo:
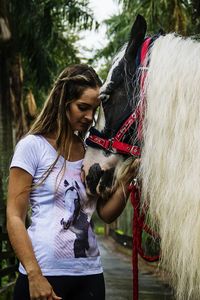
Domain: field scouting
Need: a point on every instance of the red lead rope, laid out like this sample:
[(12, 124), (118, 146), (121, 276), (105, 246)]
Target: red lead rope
[(138, 226), (139, 216), (143, 66)]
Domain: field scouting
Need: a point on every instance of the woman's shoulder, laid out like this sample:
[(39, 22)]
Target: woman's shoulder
[(27, 153), (30, 141), (30, 138)]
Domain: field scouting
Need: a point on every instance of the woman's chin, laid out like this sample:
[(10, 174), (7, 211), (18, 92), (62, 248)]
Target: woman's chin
[(83, 129)]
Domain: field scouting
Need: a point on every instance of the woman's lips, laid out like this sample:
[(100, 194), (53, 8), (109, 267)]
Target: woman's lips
[(85, 125)]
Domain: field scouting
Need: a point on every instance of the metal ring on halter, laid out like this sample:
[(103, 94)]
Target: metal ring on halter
[(110, 149), (135, 182)]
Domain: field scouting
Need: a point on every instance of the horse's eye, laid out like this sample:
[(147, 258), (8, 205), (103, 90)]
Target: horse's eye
[(104, 97)]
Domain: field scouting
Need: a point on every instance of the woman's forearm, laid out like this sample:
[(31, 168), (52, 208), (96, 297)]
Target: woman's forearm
[(17, 206), (111, 209), (39, 287), (22, 245)]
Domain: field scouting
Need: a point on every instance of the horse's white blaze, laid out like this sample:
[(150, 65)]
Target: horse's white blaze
[(100, 124), (116, 61), (170, 168)]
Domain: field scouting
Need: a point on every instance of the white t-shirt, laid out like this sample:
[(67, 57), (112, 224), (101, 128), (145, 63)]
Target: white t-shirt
[(60, 230)]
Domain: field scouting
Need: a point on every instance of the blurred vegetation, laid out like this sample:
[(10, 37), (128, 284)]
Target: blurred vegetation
[(181, 16), (44, 33), (39, 43)]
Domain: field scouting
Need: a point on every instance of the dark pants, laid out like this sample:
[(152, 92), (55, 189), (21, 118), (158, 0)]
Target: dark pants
[(68, 287)]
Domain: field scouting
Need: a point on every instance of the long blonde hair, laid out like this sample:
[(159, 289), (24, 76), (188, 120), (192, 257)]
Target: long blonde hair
[(68, 87)]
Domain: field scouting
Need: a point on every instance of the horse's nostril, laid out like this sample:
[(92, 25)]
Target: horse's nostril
[(106, 180), (93, 177)]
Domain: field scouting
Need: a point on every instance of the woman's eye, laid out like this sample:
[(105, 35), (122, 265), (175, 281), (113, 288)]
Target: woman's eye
[(82, 108)]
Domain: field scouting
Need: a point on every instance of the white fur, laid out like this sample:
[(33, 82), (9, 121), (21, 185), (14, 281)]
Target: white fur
[(115, 63), (170, 168), (100, 120)]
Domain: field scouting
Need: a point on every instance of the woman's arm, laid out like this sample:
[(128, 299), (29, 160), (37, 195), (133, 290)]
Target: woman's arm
[(17, 205), (110, 209)]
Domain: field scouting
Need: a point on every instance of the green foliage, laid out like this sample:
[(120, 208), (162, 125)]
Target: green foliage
[(125, 220), (7, 294), (181, 16), (99, 230), (119, 231), (150, 245), (43, 33)]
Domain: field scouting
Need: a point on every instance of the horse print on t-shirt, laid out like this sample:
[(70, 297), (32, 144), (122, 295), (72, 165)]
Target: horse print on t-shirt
[(75, 219)]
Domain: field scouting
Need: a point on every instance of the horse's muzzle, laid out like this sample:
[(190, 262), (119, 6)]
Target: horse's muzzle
[(99, 181), (93, 177)]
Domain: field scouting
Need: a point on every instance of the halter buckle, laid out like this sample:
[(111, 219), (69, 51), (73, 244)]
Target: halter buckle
[(110, 148)]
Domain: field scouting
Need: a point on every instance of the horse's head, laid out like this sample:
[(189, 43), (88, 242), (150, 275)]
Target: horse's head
[(114, 139)]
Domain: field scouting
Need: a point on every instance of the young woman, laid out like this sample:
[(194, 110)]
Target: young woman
[(58, 254)]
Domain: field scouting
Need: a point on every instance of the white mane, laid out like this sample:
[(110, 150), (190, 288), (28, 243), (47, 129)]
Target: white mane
[(170, 168)]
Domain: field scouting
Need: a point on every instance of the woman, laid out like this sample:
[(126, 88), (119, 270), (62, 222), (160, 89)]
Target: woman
[(58, 254)]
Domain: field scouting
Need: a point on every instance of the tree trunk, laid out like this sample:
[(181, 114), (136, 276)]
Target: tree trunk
[(5, 33), (6, 132), (16, 82), (12, 118)]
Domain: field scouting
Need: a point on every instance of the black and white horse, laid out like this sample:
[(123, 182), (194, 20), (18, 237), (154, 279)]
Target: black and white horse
[(151, 109)]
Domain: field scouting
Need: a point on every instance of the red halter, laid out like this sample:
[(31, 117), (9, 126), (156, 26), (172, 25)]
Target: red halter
[(114, 145)]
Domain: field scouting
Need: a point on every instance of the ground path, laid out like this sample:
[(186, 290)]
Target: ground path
[(118, 275)]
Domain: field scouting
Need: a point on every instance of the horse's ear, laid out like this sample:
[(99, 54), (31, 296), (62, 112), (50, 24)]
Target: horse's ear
[(137, 35)]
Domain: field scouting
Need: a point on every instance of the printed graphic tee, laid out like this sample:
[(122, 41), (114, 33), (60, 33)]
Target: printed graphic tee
[(60, 230)]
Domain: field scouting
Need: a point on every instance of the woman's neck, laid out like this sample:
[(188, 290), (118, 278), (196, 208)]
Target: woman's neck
[(76, 148)]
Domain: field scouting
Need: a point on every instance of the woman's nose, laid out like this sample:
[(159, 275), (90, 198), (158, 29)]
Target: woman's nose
[(89, 116)]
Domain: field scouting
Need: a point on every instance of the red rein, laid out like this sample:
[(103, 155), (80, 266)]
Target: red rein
[(138, 226)]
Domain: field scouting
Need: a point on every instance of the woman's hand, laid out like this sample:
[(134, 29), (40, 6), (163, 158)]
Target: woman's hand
[(110, 209), (128, 172), (40, 288)]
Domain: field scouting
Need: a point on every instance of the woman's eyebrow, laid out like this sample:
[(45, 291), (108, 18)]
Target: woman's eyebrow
[(84, 103), (88, 104)]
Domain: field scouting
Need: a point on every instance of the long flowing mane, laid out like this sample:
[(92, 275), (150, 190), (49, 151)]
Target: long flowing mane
[(170, 168), (169, 141)]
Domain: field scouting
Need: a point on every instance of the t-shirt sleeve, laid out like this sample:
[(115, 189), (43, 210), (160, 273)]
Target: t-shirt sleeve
[(26, 154)]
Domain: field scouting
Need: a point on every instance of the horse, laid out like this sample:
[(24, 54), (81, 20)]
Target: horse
[(150, 113)]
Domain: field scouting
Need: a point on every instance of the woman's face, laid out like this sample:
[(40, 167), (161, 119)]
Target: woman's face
[(81, 111)]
